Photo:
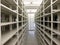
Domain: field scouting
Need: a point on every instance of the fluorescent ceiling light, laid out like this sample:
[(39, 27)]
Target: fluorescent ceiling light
[(34, 3), (31, 10), (27, 2)]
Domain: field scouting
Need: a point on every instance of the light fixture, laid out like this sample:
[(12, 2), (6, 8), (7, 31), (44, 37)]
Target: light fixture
[(31, 3)]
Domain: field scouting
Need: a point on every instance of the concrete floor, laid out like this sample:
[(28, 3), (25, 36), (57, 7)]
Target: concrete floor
[(31, 39)]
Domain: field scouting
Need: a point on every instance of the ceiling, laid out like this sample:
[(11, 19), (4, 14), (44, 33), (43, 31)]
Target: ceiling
[(31, 5)]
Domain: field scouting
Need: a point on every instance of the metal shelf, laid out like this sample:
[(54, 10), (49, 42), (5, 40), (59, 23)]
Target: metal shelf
[(48, 19), (17, 21)]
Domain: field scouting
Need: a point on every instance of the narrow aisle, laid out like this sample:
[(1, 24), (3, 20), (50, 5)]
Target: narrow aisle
[(31, 39)]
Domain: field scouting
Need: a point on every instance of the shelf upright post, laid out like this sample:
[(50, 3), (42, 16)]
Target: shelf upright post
[(10, 19), (40, 21), (17, 21), (58, 19), (0, 22), (22, 19), (22, 14), (43, 20), (51, 22)]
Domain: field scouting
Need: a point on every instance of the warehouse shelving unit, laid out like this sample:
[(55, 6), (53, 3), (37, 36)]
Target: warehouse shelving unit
[(47, 19), (13, 22)]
